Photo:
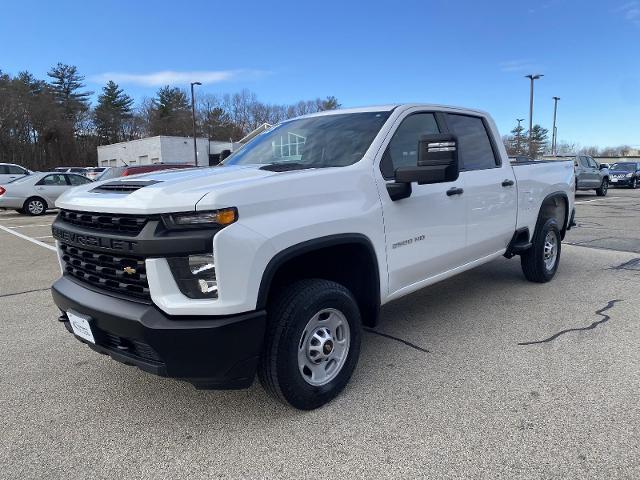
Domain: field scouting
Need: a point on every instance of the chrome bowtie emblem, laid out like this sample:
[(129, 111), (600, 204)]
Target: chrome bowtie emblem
[(129, 270)]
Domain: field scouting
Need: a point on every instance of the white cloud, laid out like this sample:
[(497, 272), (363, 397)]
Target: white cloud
[(630, 12), (170, 77), (520, 66)]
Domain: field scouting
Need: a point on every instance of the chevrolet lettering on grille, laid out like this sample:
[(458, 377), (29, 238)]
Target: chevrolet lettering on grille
[(92, 240)]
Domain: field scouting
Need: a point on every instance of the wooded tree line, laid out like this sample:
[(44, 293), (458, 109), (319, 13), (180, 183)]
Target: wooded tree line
[(517, 143), (48, 123)]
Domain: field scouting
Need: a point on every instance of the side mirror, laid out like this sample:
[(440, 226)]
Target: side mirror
[(437, 161)]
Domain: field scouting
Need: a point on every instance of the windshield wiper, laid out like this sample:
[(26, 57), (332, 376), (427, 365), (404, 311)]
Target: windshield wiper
[(286, 166)]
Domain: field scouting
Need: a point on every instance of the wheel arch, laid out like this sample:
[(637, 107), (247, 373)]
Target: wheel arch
[(551, 205), (348, 259)]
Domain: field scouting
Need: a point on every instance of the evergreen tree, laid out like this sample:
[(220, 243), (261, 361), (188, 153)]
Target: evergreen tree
[(171, 113), (539, 141), (110, 115), (66, 85), (518, 141)]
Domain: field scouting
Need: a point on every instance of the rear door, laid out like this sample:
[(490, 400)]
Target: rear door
[(425, 233), (490, 189), (50, 187)]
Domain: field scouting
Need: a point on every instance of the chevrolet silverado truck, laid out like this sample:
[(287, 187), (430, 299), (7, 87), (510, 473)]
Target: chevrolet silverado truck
[(272, 262)]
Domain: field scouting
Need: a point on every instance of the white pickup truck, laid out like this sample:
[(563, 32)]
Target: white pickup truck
[(272, 262)]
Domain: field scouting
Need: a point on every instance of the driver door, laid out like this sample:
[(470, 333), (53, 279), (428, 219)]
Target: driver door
[(426, 232)]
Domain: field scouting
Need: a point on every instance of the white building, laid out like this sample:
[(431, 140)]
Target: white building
[(162, 149)]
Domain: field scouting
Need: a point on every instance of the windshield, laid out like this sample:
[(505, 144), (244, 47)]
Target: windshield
[(324, 141), (629, 167)]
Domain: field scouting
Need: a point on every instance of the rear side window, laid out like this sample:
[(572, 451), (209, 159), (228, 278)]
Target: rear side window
[(77, 180), (474, 147), (403, 148), (4, 169)]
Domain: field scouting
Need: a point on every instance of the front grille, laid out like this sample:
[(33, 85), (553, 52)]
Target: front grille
[(128, 346), (126, 275), (106, 222)]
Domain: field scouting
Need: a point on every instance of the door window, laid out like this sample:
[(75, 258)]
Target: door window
[(592, 162), (584, 162), (403, 148), (474, 146), (53, 180), (15, 170), (77, 180)]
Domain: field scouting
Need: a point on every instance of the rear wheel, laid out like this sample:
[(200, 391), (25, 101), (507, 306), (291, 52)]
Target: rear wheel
[(312, 345), (604, 187), (35, 206), (540, 262)]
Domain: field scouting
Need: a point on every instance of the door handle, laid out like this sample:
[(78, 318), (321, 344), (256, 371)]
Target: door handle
[(507, 183), (454, 191)]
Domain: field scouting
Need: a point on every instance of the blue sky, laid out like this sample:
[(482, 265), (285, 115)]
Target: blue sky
[(460, 52)]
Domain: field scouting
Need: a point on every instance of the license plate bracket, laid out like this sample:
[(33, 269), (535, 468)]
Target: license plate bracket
[(81, 326)]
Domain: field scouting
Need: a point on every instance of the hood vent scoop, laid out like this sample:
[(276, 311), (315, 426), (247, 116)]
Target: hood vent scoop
[(123, 186)]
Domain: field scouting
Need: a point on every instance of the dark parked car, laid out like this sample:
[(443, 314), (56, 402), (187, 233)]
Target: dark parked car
[(625, 173), (115, 172)]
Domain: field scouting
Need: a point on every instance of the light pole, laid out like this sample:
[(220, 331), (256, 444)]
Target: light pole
[(193, 114), (554, 133), (532, 78)]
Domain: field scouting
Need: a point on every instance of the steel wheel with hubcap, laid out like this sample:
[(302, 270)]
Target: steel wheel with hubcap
[(550, 250), (35, 206), (324, 346), (312, 343)]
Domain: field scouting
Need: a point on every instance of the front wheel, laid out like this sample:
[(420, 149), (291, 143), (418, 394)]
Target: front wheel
[(604, 187), (634, 183), (540, 262), (312, 344)]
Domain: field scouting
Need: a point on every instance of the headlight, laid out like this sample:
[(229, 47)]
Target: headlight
[(629, 175), (211, 218), (195, 275)]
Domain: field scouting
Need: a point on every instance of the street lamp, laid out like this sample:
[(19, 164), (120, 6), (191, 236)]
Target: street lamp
[(554, 133), (193, 114), (532, 78)]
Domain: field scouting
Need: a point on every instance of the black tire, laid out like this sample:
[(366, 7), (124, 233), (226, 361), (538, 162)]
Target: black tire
[(288, 315), (604, 188), (634, 183), (35, 206), (533, 261)]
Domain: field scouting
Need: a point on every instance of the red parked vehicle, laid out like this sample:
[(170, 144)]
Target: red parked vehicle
[(114, 172)]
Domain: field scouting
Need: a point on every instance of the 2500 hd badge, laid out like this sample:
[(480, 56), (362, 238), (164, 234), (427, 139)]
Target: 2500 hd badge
[(92, 240)]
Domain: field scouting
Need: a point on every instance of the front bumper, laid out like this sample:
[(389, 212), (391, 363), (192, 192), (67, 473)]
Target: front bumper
[(210, 352), (620, 182)]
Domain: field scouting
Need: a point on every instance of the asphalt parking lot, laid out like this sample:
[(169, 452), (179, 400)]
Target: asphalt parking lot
[(510, 380)]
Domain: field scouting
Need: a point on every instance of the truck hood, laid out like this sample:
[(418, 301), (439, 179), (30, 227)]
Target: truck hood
[(159, 192)]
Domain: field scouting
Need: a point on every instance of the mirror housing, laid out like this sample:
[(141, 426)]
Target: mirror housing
[(437, 161)]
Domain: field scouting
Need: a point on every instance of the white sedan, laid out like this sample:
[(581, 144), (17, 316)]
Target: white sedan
[(36, 193)]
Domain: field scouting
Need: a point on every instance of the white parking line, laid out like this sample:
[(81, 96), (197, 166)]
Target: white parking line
[(28, 239), (46, 236), (29, 226), (587, 201)]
